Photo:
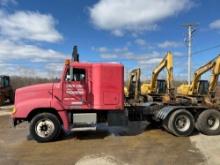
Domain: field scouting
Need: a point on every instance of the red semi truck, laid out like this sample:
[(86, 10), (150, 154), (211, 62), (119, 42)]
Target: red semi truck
[(93, 93)]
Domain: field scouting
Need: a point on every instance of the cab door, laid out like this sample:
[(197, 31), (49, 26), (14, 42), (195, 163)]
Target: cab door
[(75, 87)]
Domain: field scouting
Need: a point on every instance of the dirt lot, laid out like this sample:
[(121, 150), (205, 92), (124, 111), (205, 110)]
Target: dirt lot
[(152, 146)]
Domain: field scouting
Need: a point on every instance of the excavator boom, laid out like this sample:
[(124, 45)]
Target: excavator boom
[(132, 91), (167, 63), (214, 77), (194, 89), (154, 88), (215, 66)]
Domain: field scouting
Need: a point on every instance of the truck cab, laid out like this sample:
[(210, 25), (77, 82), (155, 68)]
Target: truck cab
[(85, 95), (92, 86)]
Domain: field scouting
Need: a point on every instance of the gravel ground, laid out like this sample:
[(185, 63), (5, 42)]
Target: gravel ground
[(209, 146), (106, 146)]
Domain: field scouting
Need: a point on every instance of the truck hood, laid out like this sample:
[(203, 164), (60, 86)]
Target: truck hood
[(39, 91), (30, 88)]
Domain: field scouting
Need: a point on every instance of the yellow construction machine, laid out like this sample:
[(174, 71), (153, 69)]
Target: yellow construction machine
[(202, 90), (161, 90), (132, 89)]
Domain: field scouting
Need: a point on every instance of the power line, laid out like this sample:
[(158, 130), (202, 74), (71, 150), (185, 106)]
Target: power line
[(206, 49)]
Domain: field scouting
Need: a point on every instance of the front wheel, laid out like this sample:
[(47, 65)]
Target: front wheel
[(45, 127), (208, 122), (181, 123)]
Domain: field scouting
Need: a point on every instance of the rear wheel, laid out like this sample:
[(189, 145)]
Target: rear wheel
[(181, 123), (208, 122), (45, 127)]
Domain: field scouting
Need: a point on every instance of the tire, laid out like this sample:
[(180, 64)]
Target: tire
[(181, 123), (208, 122), (45, 127), (62, 134)]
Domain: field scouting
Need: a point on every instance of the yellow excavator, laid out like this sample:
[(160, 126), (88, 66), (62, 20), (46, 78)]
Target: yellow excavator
[(132, 89), (161, 90), (202, 90)]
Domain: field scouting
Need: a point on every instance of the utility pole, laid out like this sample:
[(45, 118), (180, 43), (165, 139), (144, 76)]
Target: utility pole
[(190, 30)]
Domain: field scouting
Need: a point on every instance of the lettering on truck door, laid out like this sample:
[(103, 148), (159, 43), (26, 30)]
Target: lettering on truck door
[(74, 96)]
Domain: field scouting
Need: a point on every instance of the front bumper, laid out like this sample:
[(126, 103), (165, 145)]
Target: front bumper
[(12, 121)]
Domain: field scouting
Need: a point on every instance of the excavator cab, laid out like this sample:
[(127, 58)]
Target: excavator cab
[(203, 87), (4, 81), (161, 86)]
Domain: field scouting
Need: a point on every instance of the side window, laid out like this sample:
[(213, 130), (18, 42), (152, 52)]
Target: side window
[(76, 74), (79, 74)]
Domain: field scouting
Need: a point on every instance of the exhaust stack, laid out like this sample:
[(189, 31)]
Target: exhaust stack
[(75, 55)]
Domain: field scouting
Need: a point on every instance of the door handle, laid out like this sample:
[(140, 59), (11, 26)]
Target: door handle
[(90, 86)]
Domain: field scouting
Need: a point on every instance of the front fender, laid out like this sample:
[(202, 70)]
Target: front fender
[(56, 104), (25, 107)]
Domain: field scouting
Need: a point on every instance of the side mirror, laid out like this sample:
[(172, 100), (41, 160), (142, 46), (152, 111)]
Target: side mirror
[(68, 78)]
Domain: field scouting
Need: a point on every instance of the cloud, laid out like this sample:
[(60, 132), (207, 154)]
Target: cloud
[(215, 24), (100, 49), (146, 61), (6, 2), (20, 35), (169, 44), (29, 25), (125, 54), (151, 61), (54, 69), (29, 60), (107, 53), (122, 49), (11, 50), (108, 56), (134, 16), (179, 54), (140, 42), (118, 33)]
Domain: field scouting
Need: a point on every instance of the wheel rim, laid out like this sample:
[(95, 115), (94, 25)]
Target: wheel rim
[(213, 122), (182, 123), (44, 128)]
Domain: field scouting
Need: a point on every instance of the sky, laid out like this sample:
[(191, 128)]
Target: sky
[(37, 36)]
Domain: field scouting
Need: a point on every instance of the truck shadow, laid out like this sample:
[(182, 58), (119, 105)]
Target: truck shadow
[(133, 128), (86, 135)]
